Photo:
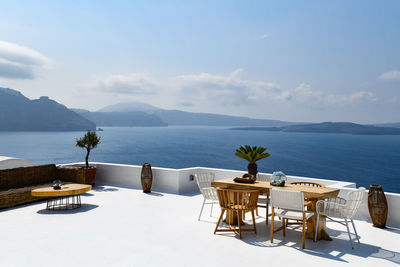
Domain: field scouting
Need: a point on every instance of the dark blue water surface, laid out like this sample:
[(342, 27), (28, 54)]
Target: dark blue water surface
[(356, 158)]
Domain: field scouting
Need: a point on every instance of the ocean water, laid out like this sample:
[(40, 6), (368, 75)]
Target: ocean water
[(357, 158)]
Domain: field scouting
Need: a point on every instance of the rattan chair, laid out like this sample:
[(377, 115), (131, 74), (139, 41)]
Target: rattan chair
[(209, 193), (308, 184), (340, 208), (288, 204), (237, 202)]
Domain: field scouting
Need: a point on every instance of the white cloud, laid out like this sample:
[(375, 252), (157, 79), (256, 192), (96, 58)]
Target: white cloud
[(128, 84), (264, 36), (393, 75), (207, 91), (231, 89), (20, 62), (304, 94)]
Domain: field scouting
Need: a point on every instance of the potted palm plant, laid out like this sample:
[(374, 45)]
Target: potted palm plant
[(89, 141), (252, 154)]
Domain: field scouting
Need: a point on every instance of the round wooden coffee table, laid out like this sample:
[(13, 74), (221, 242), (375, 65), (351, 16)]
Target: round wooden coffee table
[(66, 198)]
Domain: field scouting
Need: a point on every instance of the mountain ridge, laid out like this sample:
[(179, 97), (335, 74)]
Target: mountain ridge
[(19, 113), (185, 118)]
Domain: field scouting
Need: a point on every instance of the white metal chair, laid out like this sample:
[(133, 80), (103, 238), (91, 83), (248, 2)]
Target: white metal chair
[(209, 193), (289, 205), (341, 208)]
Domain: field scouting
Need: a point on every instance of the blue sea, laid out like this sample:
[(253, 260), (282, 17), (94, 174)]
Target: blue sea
[(357, 158)]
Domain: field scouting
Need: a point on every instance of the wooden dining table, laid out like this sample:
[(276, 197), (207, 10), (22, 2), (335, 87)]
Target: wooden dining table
[(312, 194)]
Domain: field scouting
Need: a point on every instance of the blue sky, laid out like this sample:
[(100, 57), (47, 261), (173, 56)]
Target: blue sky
[(288, 60)]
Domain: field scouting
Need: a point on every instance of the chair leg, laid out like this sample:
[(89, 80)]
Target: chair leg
[(303, 234), (239, 214), (267, 214), (204, 201), (212, 204), (257, 211), (272, 226), (283, 227), (219, 220), (316, 227), (354, 227), (254, 221), (348, 232)]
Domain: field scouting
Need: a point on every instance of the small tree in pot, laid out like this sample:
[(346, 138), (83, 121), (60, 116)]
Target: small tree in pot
[(89, 141), (252, 154)]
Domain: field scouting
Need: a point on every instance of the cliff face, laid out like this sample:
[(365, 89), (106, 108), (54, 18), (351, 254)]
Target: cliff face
[(19, 113)]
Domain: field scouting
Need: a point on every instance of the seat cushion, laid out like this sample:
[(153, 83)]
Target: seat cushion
[(292, 214)]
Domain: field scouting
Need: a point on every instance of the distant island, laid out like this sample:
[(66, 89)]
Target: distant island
[(19, 113), (329, 127), (140, 114)]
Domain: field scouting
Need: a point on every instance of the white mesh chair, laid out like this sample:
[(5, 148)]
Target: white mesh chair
[(288, 204), (340, 208), (209, 193)]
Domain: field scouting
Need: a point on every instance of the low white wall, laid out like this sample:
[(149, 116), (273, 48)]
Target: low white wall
[(164, 180), (178, 181)]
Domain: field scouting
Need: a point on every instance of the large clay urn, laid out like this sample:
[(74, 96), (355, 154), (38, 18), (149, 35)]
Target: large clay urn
[(377, 206), (146, 177)]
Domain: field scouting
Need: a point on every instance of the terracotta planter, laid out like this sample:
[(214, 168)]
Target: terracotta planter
[(90, 175), (377, 206), (146, 177)]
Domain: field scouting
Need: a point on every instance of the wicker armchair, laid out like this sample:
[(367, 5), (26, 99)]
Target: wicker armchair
[(209, 193), (340, 208), (237, 202)]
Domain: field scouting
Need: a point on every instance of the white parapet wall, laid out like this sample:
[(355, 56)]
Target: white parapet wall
[(9, 163), (180, 181)]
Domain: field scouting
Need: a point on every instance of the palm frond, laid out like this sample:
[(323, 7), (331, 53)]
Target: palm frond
[(252, 154)]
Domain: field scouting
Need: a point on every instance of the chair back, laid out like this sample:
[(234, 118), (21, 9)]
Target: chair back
[(263, 177), (286, 199), (204, 179), (353, 202), (237, 199), (308, 184)]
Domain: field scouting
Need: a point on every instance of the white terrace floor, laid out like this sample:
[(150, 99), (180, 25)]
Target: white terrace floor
[(125, 227)]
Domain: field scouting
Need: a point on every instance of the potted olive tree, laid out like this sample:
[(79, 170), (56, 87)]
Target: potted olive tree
[(252, 154), (89, 141)]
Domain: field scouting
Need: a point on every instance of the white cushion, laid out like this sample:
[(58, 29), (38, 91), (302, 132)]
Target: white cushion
[(291, 214)]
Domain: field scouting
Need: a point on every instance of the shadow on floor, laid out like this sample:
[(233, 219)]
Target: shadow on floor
[(333, 250), (83, 208), (155, 194), (104, 189)]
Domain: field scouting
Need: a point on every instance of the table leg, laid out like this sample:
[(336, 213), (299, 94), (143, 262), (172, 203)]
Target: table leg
[(321, 227), (63, 203), (231, 218)]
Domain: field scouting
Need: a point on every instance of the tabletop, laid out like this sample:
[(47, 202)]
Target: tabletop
[(66, 190), (310, 192)]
